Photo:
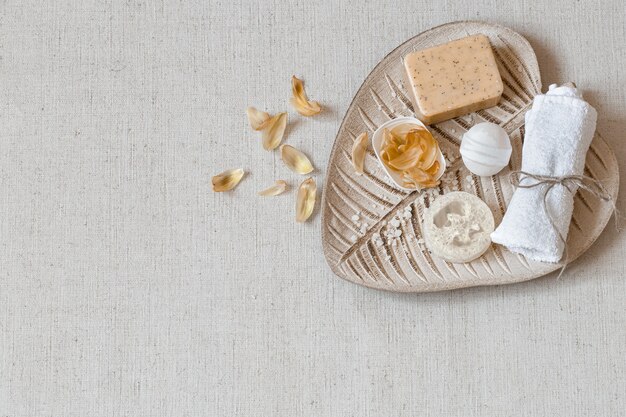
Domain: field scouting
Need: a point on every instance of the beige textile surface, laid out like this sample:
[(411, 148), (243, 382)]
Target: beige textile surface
[(127, 288)]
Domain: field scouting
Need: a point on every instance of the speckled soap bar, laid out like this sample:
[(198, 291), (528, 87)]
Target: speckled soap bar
[(453, 79)]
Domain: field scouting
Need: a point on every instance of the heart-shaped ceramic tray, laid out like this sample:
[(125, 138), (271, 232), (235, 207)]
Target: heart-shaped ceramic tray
[(408, 266)]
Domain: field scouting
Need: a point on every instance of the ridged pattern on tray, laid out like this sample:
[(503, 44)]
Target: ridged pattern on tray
[(408, 266)]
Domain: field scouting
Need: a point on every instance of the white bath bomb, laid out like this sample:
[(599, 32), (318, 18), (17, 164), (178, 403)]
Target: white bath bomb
[(457, 227), (486, 149)]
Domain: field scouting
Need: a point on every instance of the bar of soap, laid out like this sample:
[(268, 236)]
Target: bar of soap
[(453, 79)]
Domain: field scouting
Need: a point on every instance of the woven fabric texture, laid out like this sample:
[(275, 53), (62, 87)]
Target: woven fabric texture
[(128, 288)]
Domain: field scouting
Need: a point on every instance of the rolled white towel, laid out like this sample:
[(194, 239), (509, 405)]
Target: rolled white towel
[(559, 130)]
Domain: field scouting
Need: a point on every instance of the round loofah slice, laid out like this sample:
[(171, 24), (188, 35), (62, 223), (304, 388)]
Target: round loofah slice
[(457, 227)]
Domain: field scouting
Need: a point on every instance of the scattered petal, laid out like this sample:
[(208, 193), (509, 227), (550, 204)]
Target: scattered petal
[(305, 200), (227, 180), (300, 101), (278, 188), (359, 148), (274, 130), (257, 118), (295, 160)]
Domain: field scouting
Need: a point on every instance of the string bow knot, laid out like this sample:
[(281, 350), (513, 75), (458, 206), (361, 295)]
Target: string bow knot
[(571, 183)]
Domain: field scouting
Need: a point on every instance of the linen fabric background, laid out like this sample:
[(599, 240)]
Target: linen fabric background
[(128, 288)]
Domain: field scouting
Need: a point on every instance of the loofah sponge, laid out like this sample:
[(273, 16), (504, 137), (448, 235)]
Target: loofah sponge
[(457, 227)]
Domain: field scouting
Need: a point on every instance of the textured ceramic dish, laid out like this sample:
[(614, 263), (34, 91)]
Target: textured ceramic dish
[(408, 266)]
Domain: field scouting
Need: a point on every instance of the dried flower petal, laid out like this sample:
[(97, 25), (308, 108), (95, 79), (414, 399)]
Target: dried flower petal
[(274, 130), (406, 159), (279, 187), (227, 180), (305, 200), (400, 131), (359, 148), (390, 148), (434, 169), (429, 146), (413, 153), (295, 160), (300, 100), (257, 118)]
